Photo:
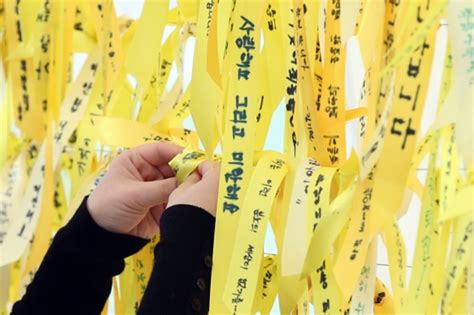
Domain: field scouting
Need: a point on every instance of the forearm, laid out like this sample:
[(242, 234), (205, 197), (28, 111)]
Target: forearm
[(180, 280), (76, 273)]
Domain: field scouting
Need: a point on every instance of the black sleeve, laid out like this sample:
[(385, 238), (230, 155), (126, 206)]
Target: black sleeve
[(75, 276), (181, 277)]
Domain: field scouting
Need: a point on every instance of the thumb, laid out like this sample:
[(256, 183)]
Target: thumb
[(192, 179), (204, 167), (212, 174), (156, 192)]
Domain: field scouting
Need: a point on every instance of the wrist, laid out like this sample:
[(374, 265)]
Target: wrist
[(91, 206)]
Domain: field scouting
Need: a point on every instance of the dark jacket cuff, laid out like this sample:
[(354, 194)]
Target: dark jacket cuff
[(186, 224)]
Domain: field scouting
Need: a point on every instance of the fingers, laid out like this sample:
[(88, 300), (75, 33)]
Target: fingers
[(155, 192), (204, 167), (159, 153), (145, 170), (208, 167), (166, 170), (212, 174), (211, 180), (151, 160), (192, 179)]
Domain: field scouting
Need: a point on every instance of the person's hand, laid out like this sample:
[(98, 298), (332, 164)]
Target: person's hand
[(133, 194), (199, 189)]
